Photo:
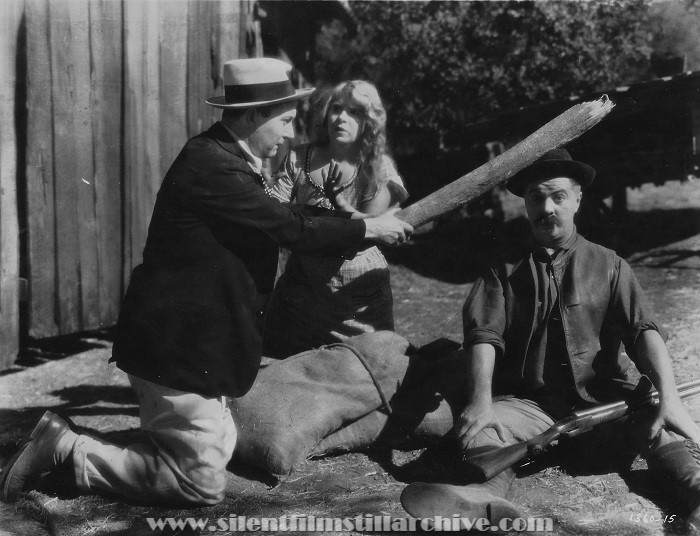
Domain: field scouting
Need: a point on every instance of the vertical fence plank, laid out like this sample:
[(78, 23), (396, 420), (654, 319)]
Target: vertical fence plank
[(253, 36), (247, 25), (10, 19), (41, 220), (142, 174), (211, 48), (152, 126), (133, 13), (106, 104), (131, 47), (84, 165), (194, 66), (202, 39), (230, 32), (230, 25), (173, 80), (76, 243)]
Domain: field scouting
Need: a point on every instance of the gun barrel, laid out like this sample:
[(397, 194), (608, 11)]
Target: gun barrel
[(485, 465), (686, 389)]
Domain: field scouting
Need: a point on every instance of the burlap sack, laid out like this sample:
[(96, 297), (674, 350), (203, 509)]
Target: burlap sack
[(380, 430), (298, 401), (423, 412)]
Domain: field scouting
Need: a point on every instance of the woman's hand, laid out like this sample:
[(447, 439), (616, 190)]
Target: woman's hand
[(333, 186)]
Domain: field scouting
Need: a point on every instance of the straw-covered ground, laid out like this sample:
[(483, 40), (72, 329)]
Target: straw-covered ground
[(431, 279)]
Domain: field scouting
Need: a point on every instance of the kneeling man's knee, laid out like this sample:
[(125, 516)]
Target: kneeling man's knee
[(204, 485)]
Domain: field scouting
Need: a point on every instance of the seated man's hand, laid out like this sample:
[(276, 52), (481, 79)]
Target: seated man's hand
[(476, 416), (673, 416)]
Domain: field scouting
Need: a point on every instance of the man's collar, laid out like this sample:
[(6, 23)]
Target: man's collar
[(541, 254), (254, 162), (566, 246)]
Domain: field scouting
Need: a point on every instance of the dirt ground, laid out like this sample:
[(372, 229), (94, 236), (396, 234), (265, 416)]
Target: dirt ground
[(431, 278)]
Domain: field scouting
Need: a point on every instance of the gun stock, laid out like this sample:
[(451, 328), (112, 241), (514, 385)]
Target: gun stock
[(483, 466), (484, 463)]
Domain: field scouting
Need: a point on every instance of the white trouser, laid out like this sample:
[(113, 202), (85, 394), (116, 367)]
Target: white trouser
[(181, 459)]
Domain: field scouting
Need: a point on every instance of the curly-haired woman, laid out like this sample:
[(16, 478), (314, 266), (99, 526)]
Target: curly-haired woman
[(324, 300)]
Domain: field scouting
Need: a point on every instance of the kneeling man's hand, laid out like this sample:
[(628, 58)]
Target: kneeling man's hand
[(387, 229)]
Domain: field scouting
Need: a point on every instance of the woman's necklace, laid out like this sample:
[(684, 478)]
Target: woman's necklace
[(320, 187)]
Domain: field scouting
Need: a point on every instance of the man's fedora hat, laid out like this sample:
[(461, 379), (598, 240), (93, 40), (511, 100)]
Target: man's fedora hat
[(554, 163), (252, 82)]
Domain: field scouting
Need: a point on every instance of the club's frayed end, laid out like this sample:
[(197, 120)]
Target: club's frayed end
[(586, 114), (605, 103)]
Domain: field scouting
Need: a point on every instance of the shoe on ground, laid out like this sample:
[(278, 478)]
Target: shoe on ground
[(44, 451), (423, 500)]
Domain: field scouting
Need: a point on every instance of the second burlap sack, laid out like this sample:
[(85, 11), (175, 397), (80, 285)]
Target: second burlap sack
[(297, 402)]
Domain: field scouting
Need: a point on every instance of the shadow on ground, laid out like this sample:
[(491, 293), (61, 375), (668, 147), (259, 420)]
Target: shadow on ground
[(34, 352)]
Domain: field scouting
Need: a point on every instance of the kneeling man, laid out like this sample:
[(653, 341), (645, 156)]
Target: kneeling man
[(187, 334)]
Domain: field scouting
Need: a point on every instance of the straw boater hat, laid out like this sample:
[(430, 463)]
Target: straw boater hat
[(554, 163), (254, 82)]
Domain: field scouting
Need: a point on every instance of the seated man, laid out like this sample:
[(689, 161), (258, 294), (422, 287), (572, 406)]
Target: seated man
[(542, 333)]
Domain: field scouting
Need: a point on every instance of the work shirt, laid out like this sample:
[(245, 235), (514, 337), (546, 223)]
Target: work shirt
[(600, 304), (547, 367)]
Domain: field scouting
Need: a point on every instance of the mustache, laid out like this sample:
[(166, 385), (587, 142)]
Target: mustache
[(547, 218)]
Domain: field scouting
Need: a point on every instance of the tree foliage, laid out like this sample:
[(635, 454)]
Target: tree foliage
[(442, 65), (676, 28)]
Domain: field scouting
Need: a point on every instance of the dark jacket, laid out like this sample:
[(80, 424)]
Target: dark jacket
[(188, 317), (601, 304)]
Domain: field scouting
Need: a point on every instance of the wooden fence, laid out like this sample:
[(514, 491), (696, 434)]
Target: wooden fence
[(96, 99)]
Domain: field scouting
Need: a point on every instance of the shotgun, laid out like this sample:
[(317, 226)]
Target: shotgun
[(483, 463)]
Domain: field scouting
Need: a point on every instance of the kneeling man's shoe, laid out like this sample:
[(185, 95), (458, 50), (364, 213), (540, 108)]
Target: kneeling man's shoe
[(473, 501), (51, 443)]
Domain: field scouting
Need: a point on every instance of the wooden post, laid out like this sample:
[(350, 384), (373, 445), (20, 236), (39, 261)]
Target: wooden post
[(559, 131)]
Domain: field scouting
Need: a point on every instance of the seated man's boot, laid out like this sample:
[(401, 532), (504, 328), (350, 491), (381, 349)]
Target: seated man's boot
[(677, 466), (51, 443), (471, 501)]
